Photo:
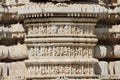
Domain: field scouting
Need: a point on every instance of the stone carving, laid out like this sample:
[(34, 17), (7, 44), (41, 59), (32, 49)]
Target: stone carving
[(105, 68), (55, 69), (111, 68), (17, 52), (102, 68), (15, 2), (13, 52), (16, 69), (12, 31), (100, 51), (83, 8), (3, 69), (3, 52), (107, 31), (116, 28), (61, 29), (110, 51), (60, 51), (117, 66), (116, 50), (60, 39)]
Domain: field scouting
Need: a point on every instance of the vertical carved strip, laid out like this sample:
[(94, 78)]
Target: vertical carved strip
[(87, 52), (91, 71), (31, 52), (72, 52), (54, 51), (90, 53), (72, 29), (39, 69), (42, 69)]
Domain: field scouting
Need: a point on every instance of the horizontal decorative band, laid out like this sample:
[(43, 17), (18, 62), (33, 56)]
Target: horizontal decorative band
[(63, 61), (65, 40)]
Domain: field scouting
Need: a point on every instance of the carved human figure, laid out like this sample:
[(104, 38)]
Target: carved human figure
[(83, 54), (49, 29), (56, 69), (91, 69), (35, 30), (73, 70), (76, 29), (73, 29), (64, 52), (61, 30), (46, 69), (31, 51), (55, 51), (33, 69), (50, 69), (91, 30), (86, 69), (81, 29), (45, 29), (46, 51), (42, 69), (87, 51), (65, 69), (80, 51), (77, 69), (87, 29), (39, 69), (75, 51), (36, 69), (68, 51), (59, 51), (41, 29), (50, 50), (54, 29), (42, 51), (39, 51), (80, 69), (30, 30), (84, 29), (90, 52), (72, 51), (35, 51), (67, 29), (30, 70)]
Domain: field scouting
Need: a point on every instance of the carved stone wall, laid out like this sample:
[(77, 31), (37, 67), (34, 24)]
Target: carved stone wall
[(59, 39)]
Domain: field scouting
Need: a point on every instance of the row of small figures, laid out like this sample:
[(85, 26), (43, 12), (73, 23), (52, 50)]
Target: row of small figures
[(61, 51), (61, 29), (19, 68), (91, 8), (56, 69)]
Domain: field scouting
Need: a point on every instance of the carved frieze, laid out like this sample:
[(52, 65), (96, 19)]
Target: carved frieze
[(61, 51), (59, 69), (61, 29)]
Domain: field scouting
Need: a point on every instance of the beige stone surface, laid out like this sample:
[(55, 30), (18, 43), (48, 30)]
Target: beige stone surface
[(59, 40)]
